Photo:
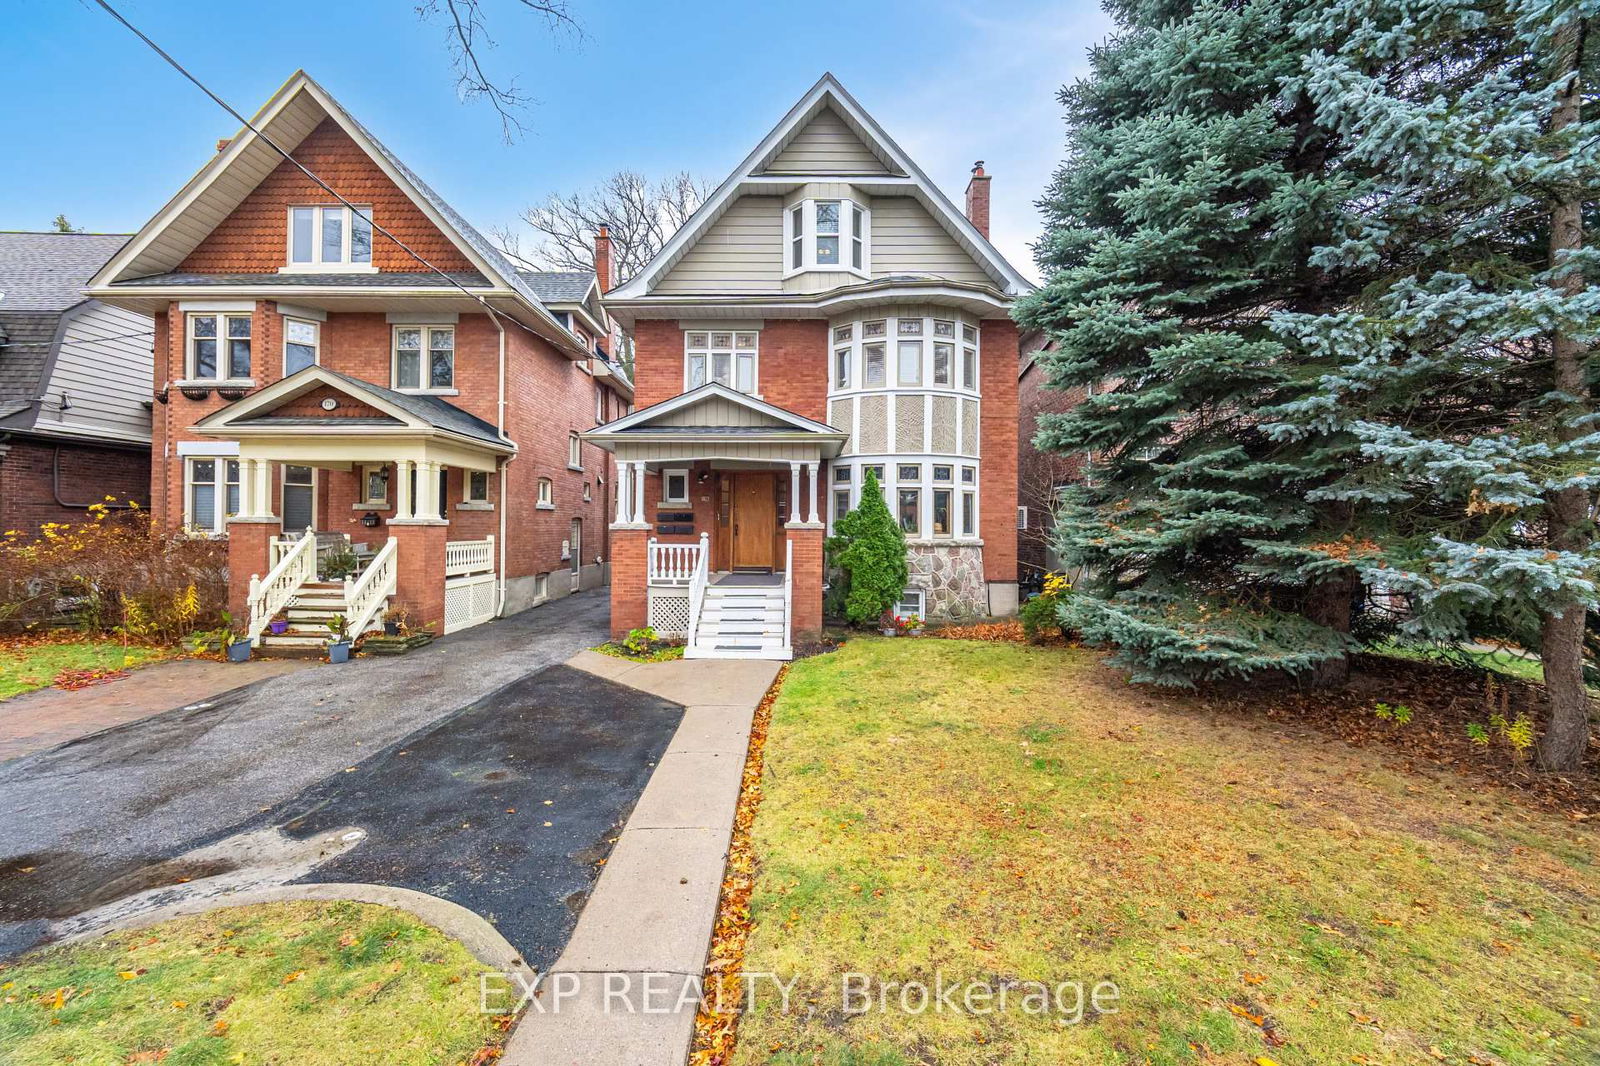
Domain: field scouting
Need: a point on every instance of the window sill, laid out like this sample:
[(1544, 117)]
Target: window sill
[(372, 505), (673, 503), (215, 383), (427, 392), (579, 469), (475, 505), (328, 268), (544, 507)]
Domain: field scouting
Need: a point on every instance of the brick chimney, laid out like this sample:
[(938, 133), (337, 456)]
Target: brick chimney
[(223, 143), (978, 199), (602, 258)]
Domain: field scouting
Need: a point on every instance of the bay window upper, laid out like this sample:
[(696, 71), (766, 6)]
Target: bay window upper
[(931, 350), (329, 237), (827, 234)]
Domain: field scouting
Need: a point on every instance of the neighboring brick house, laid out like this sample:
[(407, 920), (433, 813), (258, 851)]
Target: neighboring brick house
[(1040, 474), (74, 384), (371, 369), (826, 312)]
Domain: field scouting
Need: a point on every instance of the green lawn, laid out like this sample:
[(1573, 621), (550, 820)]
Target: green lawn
[(1003, 814), (26, 666), (313, 984)]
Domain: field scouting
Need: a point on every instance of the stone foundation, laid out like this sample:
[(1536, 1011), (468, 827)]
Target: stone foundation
[(951, 576)]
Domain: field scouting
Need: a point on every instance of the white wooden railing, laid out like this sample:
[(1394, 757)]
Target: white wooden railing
[(698, 580), (366, 595), (296, 564), (462, 557), (673, 564), (788, 592)]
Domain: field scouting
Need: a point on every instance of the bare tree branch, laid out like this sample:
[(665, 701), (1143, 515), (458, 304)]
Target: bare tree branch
[(642, 216), (468, 36)]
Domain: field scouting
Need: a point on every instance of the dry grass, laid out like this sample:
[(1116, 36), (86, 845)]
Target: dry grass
[(314, 984), (1002, 813)]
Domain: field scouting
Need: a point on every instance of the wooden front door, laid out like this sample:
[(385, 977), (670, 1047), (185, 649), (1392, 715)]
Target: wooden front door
[(755, 514)]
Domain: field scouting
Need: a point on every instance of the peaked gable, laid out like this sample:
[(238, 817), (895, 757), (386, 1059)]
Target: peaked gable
[(826, 145), (713, 406), (252, 238)]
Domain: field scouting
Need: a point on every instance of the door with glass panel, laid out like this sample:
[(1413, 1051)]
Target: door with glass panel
[(299, 498)]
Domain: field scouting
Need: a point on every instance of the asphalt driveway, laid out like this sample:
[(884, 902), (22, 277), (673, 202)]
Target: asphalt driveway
[(482, 735)]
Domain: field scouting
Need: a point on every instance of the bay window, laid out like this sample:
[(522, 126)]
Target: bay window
[(330, 236), (827, 235), (911, 511), (929, 353), (424, 357), (726, 356), (219, 347)]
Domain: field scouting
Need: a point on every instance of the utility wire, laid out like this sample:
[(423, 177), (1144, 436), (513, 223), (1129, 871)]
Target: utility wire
[(220, 102)]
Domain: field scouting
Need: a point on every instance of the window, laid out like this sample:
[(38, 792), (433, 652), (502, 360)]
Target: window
[(943, 356), (330, 236), (910, 363), (841, 503), (675, 486), (411, 370), (969, 368), (941, 512), (841, 368), (872, 375), (547, 496), (219, 347), (574, 451), (599, 406), (941, 473), (875, 469), (299, 345), (841, 475), (911, 603), (211, 481), (911, 510), (843, 334), (943, 328), (1022, 518), (374, 486), (576, 545), (969, 510), (588, 493), (299, 498), (728, 356), (821, 234), (477, 486), (969, 476), (910, 472)]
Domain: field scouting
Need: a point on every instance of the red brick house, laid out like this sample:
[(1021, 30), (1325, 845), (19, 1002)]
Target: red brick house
[(827, 312), (365, 366)]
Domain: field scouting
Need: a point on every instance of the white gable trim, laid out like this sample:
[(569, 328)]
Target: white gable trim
[(710, 390), (826, 92)]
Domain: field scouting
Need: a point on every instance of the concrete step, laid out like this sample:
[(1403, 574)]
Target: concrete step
[(739, 651), (741, 614)]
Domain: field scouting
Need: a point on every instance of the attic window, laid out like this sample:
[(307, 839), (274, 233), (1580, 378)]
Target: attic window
[(330, 236), (827, 235)]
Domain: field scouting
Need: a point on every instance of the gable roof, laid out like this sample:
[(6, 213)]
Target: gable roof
[(154, 254), (559, 286), (770, 417), (751, 174), (47, 271), (405, 409)]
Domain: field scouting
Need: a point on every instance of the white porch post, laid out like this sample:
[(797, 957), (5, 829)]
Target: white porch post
[(427, 502), (623, 488), (794, 493), (403, 505), (638, 492), (811, 471), (247, 488), (263, 481)]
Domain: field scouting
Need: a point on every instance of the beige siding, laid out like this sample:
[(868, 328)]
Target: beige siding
[(825, 145), (689, 451), (742, 252), (716, 411), (104, 365), (907, 240)]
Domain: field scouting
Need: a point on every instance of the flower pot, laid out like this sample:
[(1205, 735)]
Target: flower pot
[(889, 631), (279, 626), (239, 651), (391, 629), (339, 651)]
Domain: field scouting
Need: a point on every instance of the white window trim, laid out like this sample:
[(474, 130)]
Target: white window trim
[(1022, 518), (467, 502), (220, 518), (190, 376), (857, 345), (733, 351), (283, 481), (666, 477), (891, 484), (541, 502), (808, 235), (317, 265), (365, 503), (423, 371), (574, 450), (316, 346), (921, 598)]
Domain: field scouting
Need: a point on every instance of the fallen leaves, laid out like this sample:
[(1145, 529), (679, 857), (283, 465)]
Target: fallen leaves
[(72, 680)]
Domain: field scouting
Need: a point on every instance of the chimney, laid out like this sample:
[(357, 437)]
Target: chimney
[(978, 199), (223, 143), (602, 258)]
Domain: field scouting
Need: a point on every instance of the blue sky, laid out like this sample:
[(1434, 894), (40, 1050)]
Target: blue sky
[(108, 132)]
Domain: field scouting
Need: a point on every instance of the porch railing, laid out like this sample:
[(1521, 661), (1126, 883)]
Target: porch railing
[(296, 563), (673, 564), (462, 557), (366, 595), (788, 592), (698, 579)]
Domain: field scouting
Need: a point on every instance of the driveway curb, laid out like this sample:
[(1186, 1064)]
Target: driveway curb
[(626, 989)]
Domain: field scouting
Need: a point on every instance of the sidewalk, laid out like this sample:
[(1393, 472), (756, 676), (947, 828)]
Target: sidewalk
[(613, 998), (47, 717)]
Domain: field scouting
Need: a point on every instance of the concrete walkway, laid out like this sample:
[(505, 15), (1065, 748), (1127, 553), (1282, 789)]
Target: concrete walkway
[(40, 720), (623, 993)]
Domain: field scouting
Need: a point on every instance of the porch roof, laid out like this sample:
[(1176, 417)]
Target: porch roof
[(715, 421)]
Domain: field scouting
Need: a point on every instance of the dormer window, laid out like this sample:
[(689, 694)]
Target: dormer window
[(826, 235), (330, 237)]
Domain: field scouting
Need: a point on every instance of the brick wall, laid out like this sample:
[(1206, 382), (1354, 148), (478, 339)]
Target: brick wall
[(998, 449), (89, 473), (253, 239), (793, 370), (1039, 472)]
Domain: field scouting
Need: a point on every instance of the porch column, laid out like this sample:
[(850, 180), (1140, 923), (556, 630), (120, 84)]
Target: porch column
[(811, 471), (427, 503), (247, 489), (794, 494), (630, 583), (257, 474), (403, 507), (638, 493), (622, 489)]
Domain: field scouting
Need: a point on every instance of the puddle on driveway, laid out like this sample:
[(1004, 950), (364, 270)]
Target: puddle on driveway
[(59, 884)]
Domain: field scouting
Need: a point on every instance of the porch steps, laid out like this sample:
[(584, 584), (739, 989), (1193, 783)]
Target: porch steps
[(313, 607), (741, 622)]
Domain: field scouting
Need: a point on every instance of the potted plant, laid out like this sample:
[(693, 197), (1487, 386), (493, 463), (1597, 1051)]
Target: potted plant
[(908, 625), (395, 621), (279, 625), (339, 641), (888, 625)]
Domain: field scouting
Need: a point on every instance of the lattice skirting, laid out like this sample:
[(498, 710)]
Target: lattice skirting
[(468, 601), (669, 612)]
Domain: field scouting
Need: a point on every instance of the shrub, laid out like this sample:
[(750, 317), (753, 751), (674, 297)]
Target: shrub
[(112, 574), (869, 547), (1042, 616)]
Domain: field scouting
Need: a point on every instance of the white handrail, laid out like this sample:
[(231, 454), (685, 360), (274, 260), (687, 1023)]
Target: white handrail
[(673, 564), (366, 594), (788, 592), (293, 569), (463, 557), (697, 589)]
